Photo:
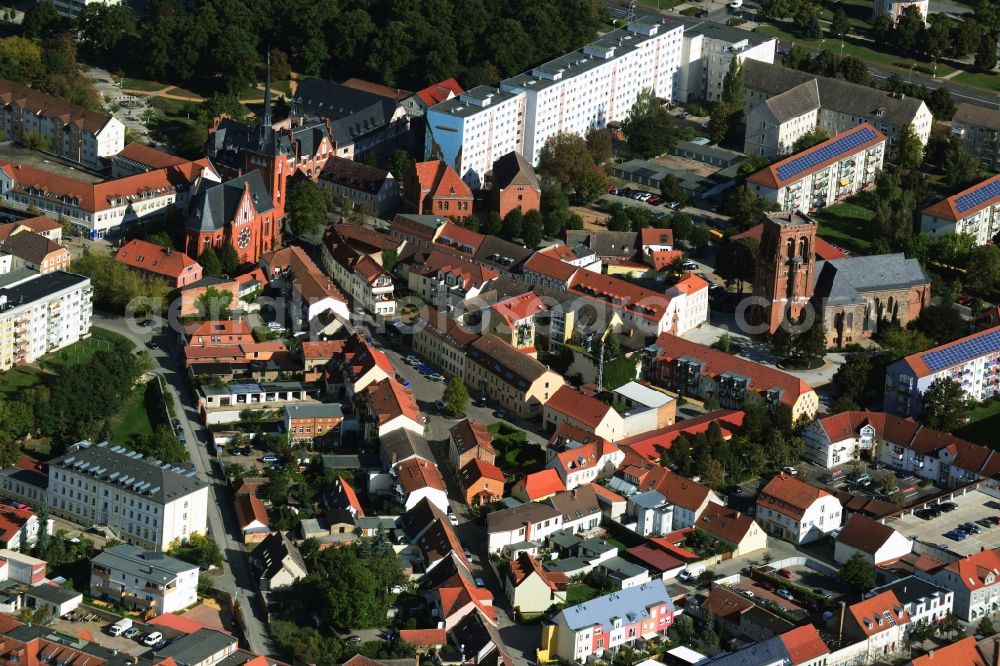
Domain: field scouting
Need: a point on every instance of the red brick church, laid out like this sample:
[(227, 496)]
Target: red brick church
[(239, 212)]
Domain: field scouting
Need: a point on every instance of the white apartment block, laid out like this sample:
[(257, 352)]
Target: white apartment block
[(974, 211), (818, 176), (975, 582), (708, 50), (72, 8), (145, 503), (979, 129), (923, 601), (72, 132), (796, 511), (143, 579), (42, 313), (587, 88), (973, 362)]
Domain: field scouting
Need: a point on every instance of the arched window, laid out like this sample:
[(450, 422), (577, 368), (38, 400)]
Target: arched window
[(804, 248), (790, 248)]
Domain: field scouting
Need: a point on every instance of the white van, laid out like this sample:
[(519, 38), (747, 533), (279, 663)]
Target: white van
[(120, 627), (736, 4)]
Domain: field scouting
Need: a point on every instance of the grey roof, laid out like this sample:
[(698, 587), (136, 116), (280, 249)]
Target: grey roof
[(351, 461), (136, 475), (197, 647), (721, 32), (42, 286), (270, 554), (843, 281), (353, 175), (620, 568), (834, 94), (321, 410), (796, 102), (564, 539), (501, 254), (465, 105), (606, 243), (403, 443), (764, 653), (352, 112), (149, 565), (577, 503), (511, 519), (232, 138), (973, 114), (911, 589), (475, 635), (630, 604), (504, 361), (648, 500), (53, 593), (567, 565), (514, 169), (216, 205)]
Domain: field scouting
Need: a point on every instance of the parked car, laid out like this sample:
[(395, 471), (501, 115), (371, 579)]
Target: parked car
[(353, 638), (270, 459), (152, 639), (482, 401), (435, 377), (453, 519), (956, 535), (971, 528), (985, 522), (748, 594), (764, 585), (785, 573), (131, 633), (790, 471), (690, 266), (995, 520), (947, 507), (785, 594)]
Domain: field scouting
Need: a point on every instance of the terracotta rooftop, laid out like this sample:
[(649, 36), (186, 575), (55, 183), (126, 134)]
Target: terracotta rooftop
[(550, 267), (439, 180), (654, 236), (388, 399), (322, 349), (965, 651), (724, 523), (153, 258), (578, 406), (771, 176), (650, 445), (804, 644), (477, 469), (541, 484), (789, 496), (468, 273), (870, 614), (951, 209), (395, 94), (417, 473), (250, 508), (525, 565), (439, 92), (423, 637), (150, 157), (974, 571), (519, 308), (458, 239), (616, 293)]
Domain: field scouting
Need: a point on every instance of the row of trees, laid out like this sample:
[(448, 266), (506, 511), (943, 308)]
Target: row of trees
[(118, 288), (48, 64), (219, 44), (942, 35)]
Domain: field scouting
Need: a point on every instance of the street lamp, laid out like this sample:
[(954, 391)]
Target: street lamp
[(909, 79)]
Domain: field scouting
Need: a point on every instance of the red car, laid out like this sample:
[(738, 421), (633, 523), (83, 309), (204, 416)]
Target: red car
[(785, 573), (653, 200)]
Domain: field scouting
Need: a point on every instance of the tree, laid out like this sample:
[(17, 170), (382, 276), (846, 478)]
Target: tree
[(684, 629), (909, 33), (648, 128), (713, 474), (859, 573), (733, 87), (943, 405), (985, 627), (950, 625), (809, 139), (887, 484), (493, 225), (960, 168), (41, 20), (390, 258), (105, 30), (229, 259), (400, 164), (532, 229), (671, 190), (456, 397), (986, 54), (163, 445), (306, 207), (21, 60), (198, 549), (513, 224), (941, 323), (746, 208), (599, 145), (565, 160), (710, 632), (737, 261), (214, 304), (612, 346), (718, 123), (855, 70), (982, 271), (851, 378), (840, 25), (908, 152), (209, 261)]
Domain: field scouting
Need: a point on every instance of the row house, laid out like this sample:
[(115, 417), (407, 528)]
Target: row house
[(418, 479), (442, 341), (975, 211), (360, 186), (795, 511), (516, 381), (42, 314), (516, 320), (975, 581), (923, 600), (688, 498), (978, 128), (447, 282), (531, 522), (580, 457), (877, 626), (361, 365), (305, 423), (353, 257)]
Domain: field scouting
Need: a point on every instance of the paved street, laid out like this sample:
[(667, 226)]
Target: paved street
[(235, 577)]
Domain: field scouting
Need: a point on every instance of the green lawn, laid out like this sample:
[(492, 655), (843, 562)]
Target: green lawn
[(577, 593), (16, 379), (847, 225), (83, 351), (133, 420), (984, 423), (177, 90), (990, 81), (142, 84)]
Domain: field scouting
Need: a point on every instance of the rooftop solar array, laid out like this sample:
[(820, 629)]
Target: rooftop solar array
[(978, 197), (832, 150), (963, 351)]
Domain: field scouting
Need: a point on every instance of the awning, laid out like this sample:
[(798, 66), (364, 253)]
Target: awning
[(844, 182)]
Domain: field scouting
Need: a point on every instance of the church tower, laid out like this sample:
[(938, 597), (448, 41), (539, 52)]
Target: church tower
[(786, 267)]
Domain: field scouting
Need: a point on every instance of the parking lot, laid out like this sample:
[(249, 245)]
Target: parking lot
[(971, 507), (97, 632)]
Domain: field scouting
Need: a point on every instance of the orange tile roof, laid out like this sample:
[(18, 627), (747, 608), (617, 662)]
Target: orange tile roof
[(12, 520), (351, 496), (322, 349), (670, 542), (423, 637), (180, 623), (559, 252), (153, 258), (584, 457), (518, 308), (459, 239), (605, 494), (649, 445), (869, 614), (458, 592), (654, 236), (388, 399), (964, 652), (717, 362), (724, 523), (545, 265), (40, 224), (150, 157), (660, 259), (973, 570), (919, 367), (440, 180), (238, 327), (417, 473), (789, 496), (470, 274), (525, 565), (250, 508), (619, 294), (439, 92), (542, 484), (947, 209), (579, 406), (689, 284), (769, 177), (804, 644), (477, 469)]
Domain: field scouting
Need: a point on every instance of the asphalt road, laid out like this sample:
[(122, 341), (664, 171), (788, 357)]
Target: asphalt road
[(235, 576)]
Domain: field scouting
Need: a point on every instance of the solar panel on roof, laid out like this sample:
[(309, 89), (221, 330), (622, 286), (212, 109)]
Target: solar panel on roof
[(840, 146), (978, 197), (962, 351)]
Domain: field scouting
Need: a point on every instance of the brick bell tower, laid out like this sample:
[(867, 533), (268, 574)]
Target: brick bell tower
[(786, 267)]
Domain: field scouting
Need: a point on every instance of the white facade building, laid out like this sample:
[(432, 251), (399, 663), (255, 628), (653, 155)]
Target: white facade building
[(533, 521), (572, 93), (924, 601), (141, 579), (974, 211), (796, 511), (708, 50), (41, 314), (975, 581), (146, 504)]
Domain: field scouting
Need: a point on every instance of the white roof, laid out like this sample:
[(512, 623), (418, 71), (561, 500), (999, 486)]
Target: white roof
[(643, 395), (679, 652)]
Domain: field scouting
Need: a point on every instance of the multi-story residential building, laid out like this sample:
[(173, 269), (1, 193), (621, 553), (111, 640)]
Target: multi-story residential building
[(973, 362), (974, 211), (532, 589), (446, 281), (146, 504), (352, 256), (894, 8), (26, 249), (708, 51), (832, 170), (139, 158), (975, 580), (97, 209), (900, 443), (583, 412), (442, 341), (307, 422), (41, 314), (223, 404), (979, 127), (579, 456), (689, 498), (533, 521), (701, 371), (609, 622), (587, 88), (653, 514), (419, 231), (358, 184), (782, 104), (544, 270), (515, 319), (515, 185), (516, 381), (877, 625), (20, 527), (924, 601), (795, 511), (71, 131), (143, 580), (469, 440), (177, 268), (876, 542), (434, 188)]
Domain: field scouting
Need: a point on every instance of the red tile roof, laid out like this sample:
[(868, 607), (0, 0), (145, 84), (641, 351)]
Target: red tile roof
[(396, 94), (964, 652), (250, 508), (947, 209), (518, 308), (477, 469), (973, 570), (468, 273), (578, 406), (388, 399), (821, 248), (660, 259), (682, 491), (671, 544), (919, 367), (552, 268), (153, 258), (654, 236), (689, 284), (768, 176), (368, 269), (656, 558), (621, 295), (440, 92), (180, 623), (351, 496), (322, 349), (12, 520), (417, 473), (458, 239), (237, 327), (150, 157), (605, 494), (717, 362), (559, 251), (40, 224), (724, 523), (789, 496), (458, 592), (525, 565), (423, 637), (869, 614), (542, 484), (864, 534), (649, 445), (804, 644), (439, 180)]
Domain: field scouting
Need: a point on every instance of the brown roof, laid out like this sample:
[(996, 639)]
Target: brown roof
[(864, 534), (449, 331), (49, 106), (40, 223), (973, 114), (576, 503), (150, 157), (423, 637), (395, 94), (504, 361), (459, 239), (724, 523), (469, 274), (417, 473), (525, 565), (353, 175), (789, 496), (869, 614), (477, 469), (682, 491), (579, 406), (250, 508), (514, 169), (468, 434), (621, 295), (725, 604), (31, 247), (153, 258), (322, 349), (388, 399), (545, 265)]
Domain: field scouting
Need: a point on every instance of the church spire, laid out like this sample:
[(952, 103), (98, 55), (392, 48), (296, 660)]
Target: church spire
[(267, 93)]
